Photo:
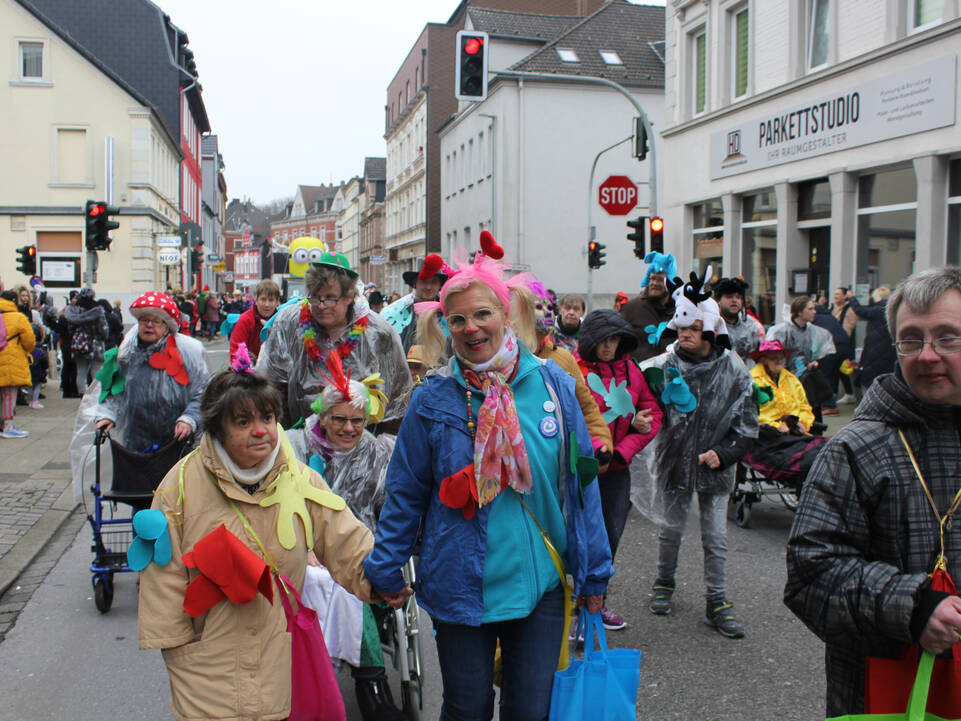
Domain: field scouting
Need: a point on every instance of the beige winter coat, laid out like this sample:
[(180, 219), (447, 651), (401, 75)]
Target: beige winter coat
[(233, 662)]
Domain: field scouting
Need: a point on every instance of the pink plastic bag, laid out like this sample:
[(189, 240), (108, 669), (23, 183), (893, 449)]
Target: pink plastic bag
[(314, 693)]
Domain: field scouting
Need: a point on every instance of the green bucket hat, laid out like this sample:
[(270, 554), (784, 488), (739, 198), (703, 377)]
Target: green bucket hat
[(337, 260)]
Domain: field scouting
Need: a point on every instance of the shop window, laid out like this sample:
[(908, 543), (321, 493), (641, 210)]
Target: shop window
[(925, 13), (892, 187), (708, 236), (739, 47), (818, 40), (699, 72), (814, 199), (759, 251), (954, 212)]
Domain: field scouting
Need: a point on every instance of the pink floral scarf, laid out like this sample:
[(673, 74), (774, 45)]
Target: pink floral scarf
[(500, 456)]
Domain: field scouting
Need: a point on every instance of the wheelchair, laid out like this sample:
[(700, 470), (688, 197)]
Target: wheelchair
[(402, 646)]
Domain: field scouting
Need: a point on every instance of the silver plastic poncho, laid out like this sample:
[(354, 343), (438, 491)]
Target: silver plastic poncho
[(283, 359), (356, 475), (745, 336), (806, 344), (724, 393), (147, 410)]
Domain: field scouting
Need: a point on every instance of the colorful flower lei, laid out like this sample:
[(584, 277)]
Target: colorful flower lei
[(309, 336)]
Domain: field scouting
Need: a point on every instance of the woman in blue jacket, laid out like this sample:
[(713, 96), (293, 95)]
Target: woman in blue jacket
[(493, 448)]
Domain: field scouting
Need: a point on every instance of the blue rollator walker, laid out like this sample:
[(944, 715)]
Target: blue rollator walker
[(135, 477)]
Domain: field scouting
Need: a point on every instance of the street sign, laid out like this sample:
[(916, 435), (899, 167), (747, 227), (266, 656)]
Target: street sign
[(169, 241), (213, 257), (229, 277), (378, 260), (617, 195), (168, 256)]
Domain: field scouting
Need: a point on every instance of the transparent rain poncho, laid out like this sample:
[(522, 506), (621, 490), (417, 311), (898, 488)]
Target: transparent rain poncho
[(806, 344), (145, 412), (724, 394), (283, 359), (357, 475)]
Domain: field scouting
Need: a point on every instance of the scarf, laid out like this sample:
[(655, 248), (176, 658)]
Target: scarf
[(500, 456)]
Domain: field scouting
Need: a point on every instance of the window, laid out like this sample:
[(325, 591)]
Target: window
[(739, 46), (818, 37), (31, 60), (814, 199), (887, 210), (708, 235), (610, 57), (699, 72), (759, 244), (925, 13), (567, 55), (954, 212)]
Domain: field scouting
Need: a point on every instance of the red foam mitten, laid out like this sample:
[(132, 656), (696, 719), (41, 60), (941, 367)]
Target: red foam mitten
[(228, 570), (460, 491), (491, 247)]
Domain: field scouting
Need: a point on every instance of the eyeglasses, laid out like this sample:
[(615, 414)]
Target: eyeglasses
[(942, 346), (151, 321), (481, 316), (341, 421), (324, 302)]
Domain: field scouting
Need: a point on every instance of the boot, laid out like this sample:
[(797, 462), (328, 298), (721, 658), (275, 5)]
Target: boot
[(373, 695)]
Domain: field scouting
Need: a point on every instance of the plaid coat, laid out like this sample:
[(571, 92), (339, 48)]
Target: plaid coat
[(865, 536)]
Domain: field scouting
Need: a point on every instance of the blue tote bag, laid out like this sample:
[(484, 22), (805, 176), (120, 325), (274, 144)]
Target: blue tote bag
[(602, 686)]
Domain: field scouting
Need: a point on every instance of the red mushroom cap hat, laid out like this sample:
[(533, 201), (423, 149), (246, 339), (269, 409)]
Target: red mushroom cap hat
[(154, 302)]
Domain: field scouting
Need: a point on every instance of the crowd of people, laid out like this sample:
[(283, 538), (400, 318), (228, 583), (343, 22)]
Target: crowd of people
[(494, 429)]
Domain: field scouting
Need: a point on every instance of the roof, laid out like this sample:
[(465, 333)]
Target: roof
[(618, 26), (208, 145), (312, 193), (526, 26), (136, 41), (375, 169)]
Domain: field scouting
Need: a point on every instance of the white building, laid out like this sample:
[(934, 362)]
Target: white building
[(520, 163), (812, 143)]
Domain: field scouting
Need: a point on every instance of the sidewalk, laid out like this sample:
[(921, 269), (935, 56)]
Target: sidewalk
[(36, 496)]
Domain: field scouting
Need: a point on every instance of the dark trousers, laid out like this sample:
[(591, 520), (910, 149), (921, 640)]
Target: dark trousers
[(530, 648), (615, 488)]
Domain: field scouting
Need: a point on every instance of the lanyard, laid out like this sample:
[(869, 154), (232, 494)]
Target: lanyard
[(943, 521)]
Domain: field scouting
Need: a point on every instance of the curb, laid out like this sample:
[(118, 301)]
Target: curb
[(18, 558)]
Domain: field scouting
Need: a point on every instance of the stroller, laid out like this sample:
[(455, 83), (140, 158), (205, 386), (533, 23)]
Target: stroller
[(135, 476), (777, 471)]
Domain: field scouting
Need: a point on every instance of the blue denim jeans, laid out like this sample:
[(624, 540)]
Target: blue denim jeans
[(529, 647), (713, 508)]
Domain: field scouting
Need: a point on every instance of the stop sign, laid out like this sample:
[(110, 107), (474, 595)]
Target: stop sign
[(617, 195)]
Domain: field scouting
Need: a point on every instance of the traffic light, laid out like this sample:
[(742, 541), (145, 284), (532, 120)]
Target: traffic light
[(470, 70), (196, 258), (27, 259), (640, 139), (99, 225), (638, 235), (595, 254), (657, 235)]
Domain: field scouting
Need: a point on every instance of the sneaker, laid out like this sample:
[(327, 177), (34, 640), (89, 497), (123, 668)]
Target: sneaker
[(612, 622), (720, 616), (579, 638), (11, 431), (847, 398), (660, 604), (35, 404)]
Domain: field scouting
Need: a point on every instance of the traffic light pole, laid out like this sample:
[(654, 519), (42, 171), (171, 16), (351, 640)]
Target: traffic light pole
[(591, 231), (90, 274)]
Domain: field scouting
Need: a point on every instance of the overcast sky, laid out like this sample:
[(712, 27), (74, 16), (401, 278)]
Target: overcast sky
[(295, 89)]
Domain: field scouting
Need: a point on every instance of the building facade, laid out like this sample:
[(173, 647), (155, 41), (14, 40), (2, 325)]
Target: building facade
[(812, 144), (528, 163), (82, 132), (213, 206), (372, 252), (349, 222)]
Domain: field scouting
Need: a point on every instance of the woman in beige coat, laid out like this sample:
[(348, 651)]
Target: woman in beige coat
[(233, 660)]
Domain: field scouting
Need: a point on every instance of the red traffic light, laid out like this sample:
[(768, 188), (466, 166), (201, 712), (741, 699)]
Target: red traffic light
[(96, 210), (473, 46), (657, 225), (31, 251), (592, 246)]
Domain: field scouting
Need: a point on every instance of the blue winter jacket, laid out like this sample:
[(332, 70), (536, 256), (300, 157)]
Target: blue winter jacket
[(434, 443)]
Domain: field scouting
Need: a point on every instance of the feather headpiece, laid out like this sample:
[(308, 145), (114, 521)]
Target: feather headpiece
[(242, 362)]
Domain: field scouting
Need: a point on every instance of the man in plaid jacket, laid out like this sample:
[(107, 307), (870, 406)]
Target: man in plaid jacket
[(866, 537)]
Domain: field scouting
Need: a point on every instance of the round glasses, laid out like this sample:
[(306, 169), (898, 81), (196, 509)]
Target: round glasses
[(942, 346), (481, 316)]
